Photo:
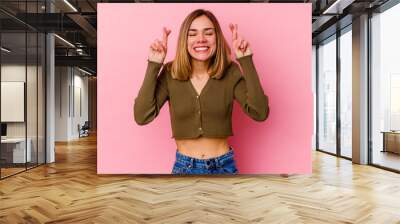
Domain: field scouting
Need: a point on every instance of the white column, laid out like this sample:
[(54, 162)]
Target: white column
[(50, 110), (50, 92), (360, 90)]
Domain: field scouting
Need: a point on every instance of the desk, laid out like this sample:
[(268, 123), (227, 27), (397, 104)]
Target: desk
[(391, 141), (15, 148)]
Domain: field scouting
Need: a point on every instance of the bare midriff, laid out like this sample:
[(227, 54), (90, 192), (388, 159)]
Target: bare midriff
[(203, 147)]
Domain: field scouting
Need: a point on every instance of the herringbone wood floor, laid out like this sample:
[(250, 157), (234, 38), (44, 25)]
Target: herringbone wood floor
[(70, 191)]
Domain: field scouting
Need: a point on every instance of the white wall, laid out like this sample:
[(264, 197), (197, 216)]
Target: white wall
[(33, 127), (17, 73), (80, 84), (62, 81), (71, 92)]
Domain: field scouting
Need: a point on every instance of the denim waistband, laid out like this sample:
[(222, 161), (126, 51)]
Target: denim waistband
[(204, 163)]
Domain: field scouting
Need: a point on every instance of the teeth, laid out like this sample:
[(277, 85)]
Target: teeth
[(201, 48)]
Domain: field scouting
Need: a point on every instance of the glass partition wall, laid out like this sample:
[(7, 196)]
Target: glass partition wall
[(334, 93), (334, 90), (385, 89), (346, 74), (327, 95), (22, 88)]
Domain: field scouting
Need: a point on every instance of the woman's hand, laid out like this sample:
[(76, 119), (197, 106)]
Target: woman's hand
[(239, 45), (158, 49)]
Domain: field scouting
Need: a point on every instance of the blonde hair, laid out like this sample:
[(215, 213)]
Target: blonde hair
[(181, 68)]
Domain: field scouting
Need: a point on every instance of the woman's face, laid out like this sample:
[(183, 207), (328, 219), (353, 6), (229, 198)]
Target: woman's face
[(201, 39)]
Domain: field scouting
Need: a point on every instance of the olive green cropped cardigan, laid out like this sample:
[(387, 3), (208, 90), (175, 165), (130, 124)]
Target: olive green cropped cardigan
[(208, 114)]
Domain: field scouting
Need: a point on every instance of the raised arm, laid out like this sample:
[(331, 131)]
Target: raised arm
[(154, 91), (249, 92), (152, 94)]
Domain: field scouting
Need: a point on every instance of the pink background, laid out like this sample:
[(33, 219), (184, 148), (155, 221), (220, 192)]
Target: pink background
[(280, 36)]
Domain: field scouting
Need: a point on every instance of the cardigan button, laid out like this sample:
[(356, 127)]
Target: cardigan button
[(199, 128)]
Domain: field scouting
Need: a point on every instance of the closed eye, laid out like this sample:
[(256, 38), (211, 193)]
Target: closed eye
[(193, 34)]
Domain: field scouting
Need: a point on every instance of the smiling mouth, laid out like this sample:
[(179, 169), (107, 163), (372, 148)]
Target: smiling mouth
[(201, 49)]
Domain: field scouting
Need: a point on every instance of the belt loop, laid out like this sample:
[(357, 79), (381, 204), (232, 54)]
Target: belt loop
[(207, 163), (216, 163), (191, 163)]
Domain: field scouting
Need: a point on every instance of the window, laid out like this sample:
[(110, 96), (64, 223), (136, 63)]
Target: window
[(22, 65), (346, 74), (385, 88), (327, 95)]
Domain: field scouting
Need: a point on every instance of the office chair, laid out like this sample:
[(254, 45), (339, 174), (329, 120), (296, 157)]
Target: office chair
[(84, 130)]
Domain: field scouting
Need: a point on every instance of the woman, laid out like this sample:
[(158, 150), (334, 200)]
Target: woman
[(200, 85)]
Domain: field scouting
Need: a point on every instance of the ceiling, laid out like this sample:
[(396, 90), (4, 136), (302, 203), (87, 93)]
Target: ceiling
[(77, 22)]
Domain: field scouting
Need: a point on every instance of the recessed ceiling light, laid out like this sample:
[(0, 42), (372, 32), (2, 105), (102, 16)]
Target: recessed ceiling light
[(5, 50), (84, 71), (70, 5), (64, 40), (338, 6)]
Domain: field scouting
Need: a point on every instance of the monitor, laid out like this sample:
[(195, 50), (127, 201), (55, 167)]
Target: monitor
[(3, 129)]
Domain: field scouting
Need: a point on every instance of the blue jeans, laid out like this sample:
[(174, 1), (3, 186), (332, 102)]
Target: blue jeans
[(224, 164)]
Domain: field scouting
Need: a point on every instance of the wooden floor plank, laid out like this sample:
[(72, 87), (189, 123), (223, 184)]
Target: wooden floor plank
[(70, 191)]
